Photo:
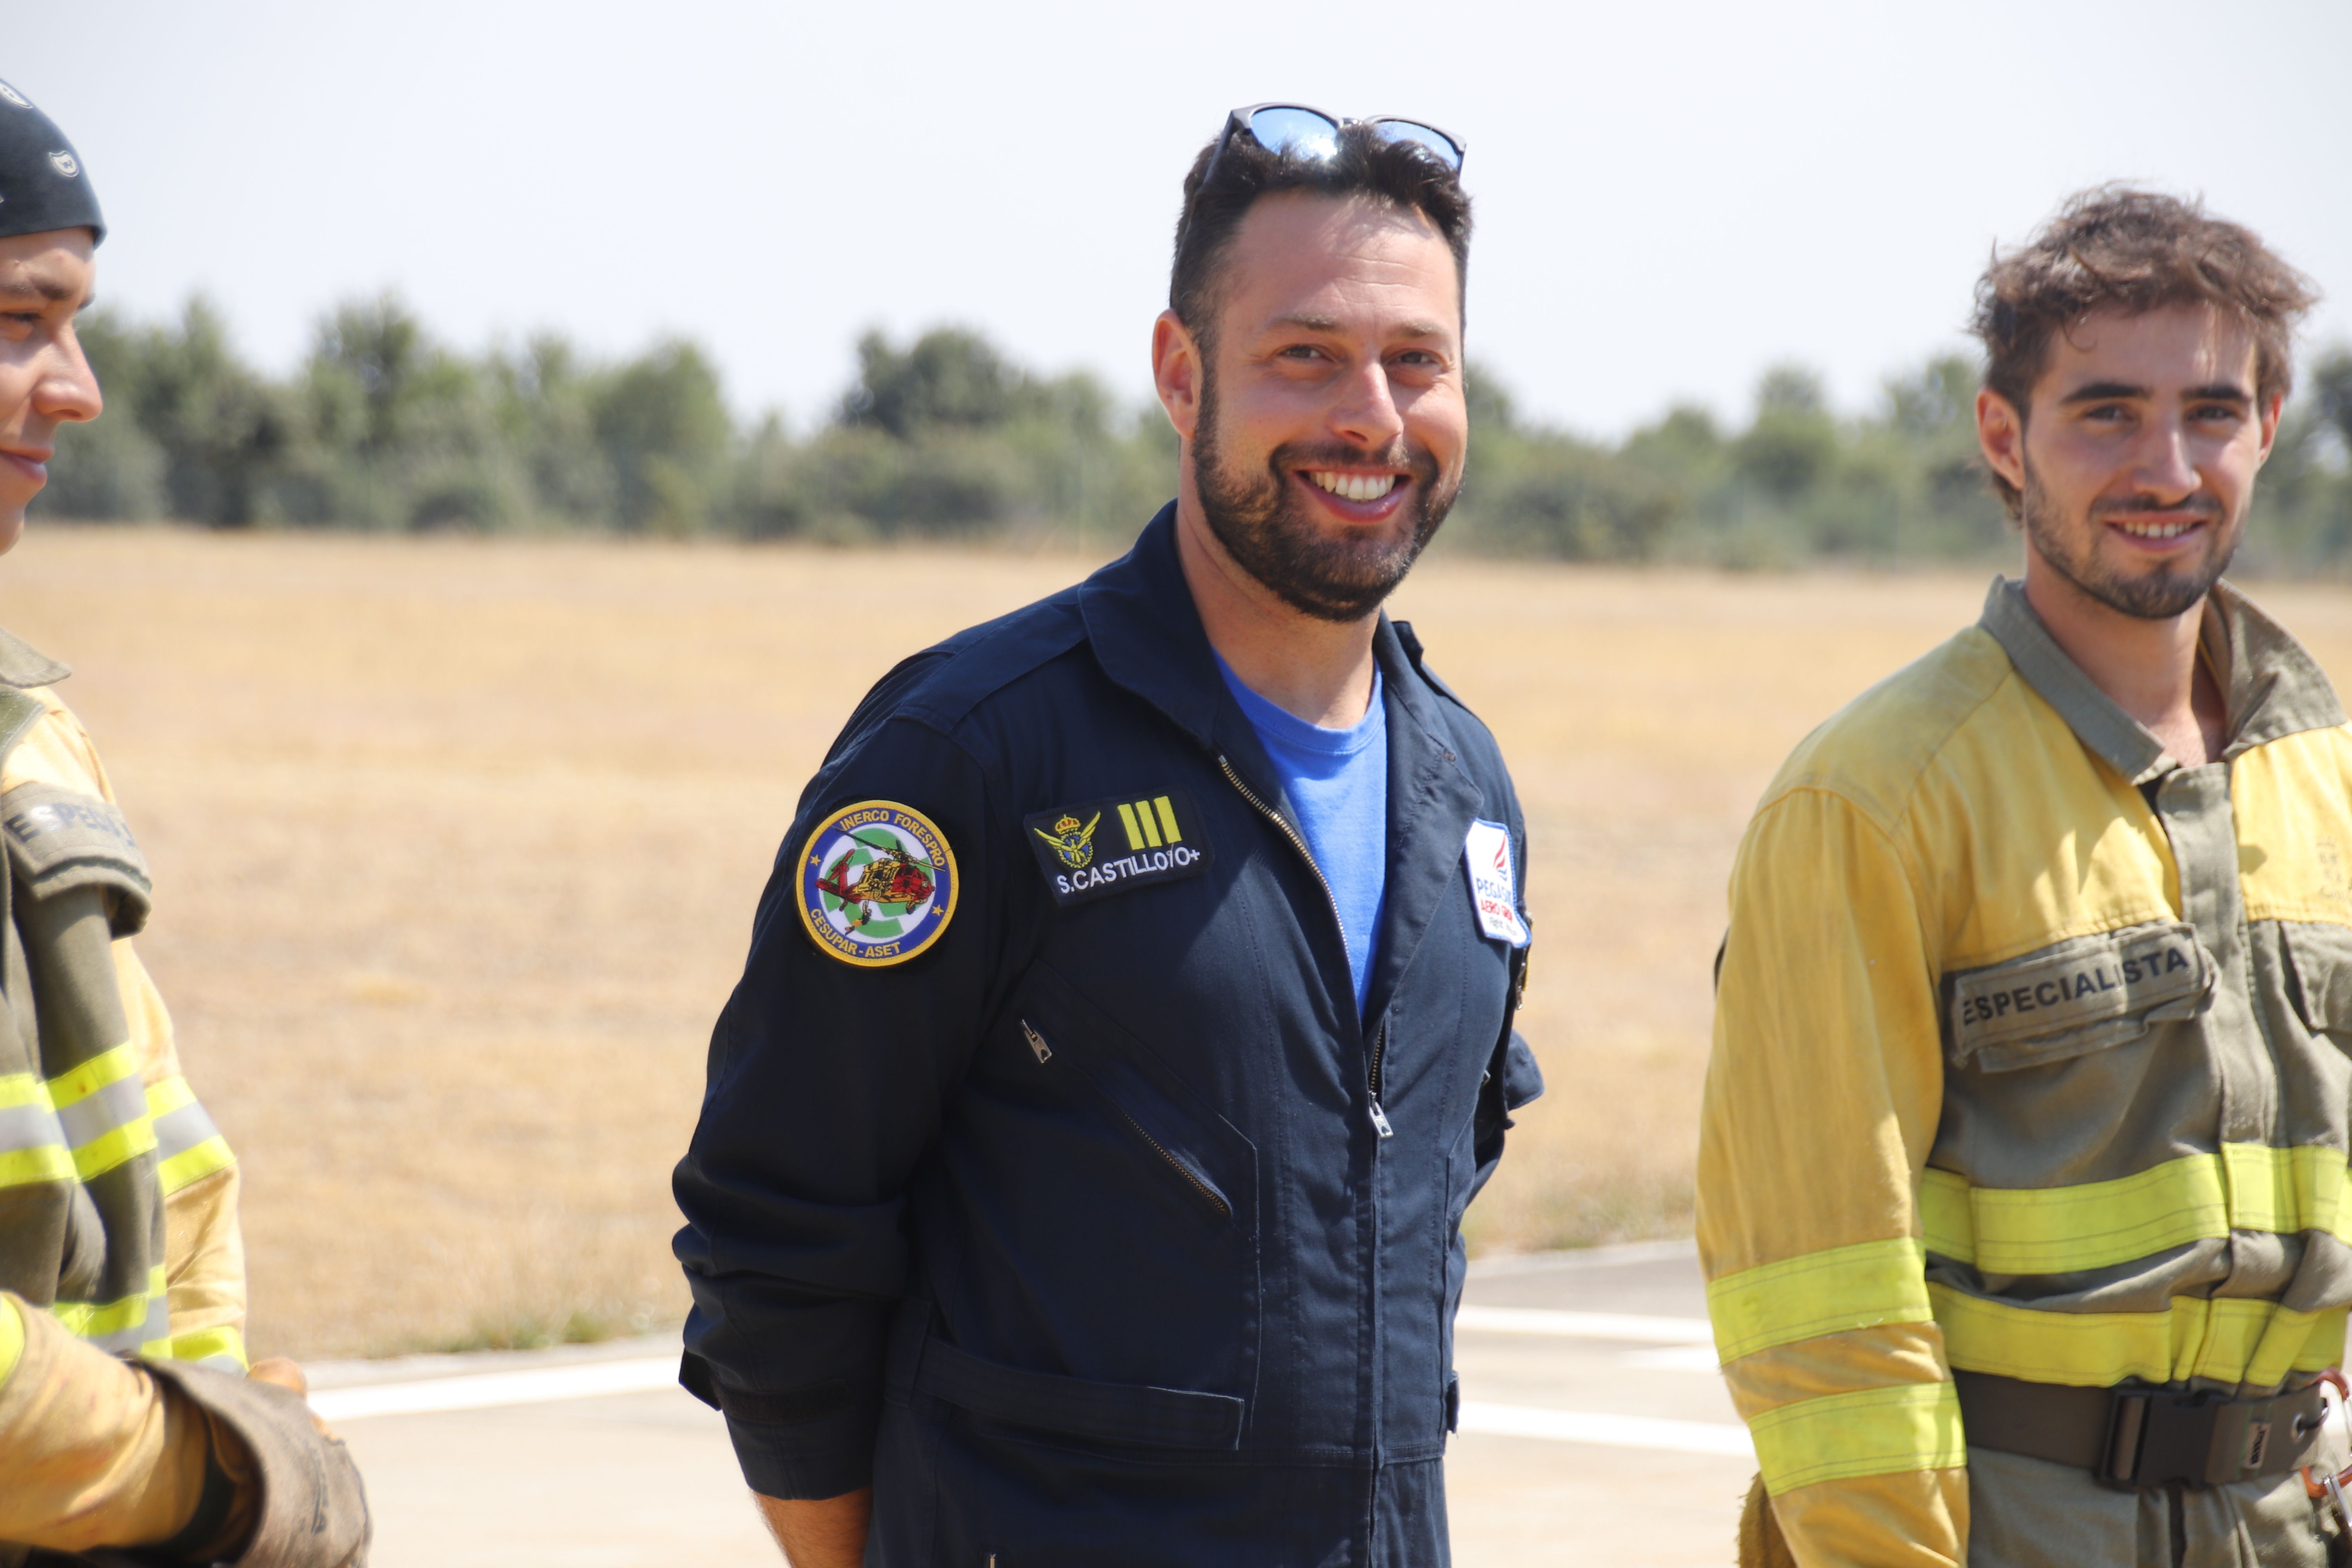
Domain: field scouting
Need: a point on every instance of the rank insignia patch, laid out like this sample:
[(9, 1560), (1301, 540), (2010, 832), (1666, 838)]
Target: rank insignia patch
[(877, 884), (1111, 846)]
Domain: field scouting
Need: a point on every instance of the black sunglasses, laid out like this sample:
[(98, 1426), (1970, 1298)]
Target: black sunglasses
[(1310, 133)]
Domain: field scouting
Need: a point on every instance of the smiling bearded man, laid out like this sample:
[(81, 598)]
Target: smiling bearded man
[(1272, 534), (1129, 1020), (2023, 1186)]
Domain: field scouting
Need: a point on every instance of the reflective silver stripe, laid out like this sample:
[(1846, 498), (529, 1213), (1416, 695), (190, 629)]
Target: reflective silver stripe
[(223, 1362), (177, 1131), (154, 1328), (100, 1111), (29, 1127)]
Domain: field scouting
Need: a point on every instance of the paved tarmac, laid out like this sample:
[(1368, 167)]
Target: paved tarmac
[(1596, 1431)]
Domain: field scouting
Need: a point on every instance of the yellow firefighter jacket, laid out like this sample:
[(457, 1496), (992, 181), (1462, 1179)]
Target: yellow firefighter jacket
[(88, 1448), (2030, 1058)]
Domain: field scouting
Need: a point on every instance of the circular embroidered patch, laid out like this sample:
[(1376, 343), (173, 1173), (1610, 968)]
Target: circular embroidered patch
[(877, 884)]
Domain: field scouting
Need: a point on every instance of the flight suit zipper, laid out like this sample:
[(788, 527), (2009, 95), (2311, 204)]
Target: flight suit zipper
[(1044, 1053), (1380, 1040)]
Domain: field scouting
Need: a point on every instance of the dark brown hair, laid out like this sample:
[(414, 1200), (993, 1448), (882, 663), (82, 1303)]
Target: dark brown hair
[(1364, 165), (2113, 248)]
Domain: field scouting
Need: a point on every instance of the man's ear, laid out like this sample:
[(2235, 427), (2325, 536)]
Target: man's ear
[(2269, 422), (2001, 435), (1177, 371)]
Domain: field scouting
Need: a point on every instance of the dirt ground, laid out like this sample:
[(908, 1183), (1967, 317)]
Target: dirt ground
[(457, 844)]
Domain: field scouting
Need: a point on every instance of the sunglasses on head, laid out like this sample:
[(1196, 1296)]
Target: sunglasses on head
[(1311, 133)]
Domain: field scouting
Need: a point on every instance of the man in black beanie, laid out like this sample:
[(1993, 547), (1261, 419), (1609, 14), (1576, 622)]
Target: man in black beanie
[(127, 1419)]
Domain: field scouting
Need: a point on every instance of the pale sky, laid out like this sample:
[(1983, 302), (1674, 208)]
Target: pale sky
[(1670, 196)]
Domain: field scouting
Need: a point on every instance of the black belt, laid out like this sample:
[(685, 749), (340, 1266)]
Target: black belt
[(2143, 1436)]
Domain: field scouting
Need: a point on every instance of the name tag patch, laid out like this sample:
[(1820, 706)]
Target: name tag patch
[(1493, 889), (2083, 987), (1111, 846)]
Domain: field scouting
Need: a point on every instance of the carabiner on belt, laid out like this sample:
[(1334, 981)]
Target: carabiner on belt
[(2331, 1483)]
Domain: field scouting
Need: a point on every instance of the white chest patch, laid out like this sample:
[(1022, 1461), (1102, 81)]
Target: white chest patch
[(1493, 889)]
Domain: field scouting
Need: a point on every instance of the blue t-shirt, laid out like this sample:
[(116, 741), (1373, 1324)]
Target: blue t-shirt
[(1338, 781)]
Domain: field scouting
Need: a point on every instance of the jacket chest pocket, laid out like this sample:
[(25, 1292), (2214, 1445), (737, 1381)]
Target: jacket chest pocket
[(2319, 976), (1116, 1211), (2086, 993), (1173, 1143)]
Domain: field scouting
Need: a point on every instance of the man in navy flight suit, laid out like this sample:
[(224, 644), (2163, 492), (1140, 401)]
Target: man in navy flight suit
[(1128, 1021)]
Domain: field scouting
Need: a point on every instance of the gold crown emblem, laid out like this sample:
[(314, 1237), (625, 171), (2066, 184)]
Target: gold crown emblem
[(1067, 824)]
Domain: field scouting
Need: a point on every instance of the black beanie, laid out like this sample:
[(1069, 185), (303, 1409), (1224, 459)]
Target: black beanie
[(42, 182)]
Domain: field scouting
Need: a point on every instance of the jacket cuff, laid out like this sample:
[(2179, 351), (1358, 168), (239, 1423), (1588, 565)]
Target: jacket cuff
[(807, 1459)]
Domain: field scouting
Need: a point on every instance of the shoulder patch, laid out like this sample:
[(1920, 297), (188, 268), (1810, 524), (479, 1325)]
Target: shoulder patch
[(877, 884), (1110, 846), (59, 839)]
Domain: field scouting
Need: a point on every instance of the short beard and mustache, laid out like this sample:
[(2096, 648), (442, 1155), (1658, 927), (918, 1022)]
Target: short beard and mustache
[(2158, 596), (1266, 529)]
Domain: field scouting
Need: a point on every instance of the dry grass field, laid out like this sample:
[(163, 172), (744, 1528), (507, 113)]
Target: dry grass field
[(457, 844)]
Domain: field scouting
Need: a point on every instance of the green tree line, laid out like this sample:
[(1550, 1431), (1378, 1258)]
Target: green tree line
[(383, 427)]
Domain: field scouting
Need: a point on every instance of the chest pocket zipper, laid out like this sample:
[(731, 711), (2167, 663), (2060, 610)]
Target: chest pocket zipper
[(1044, 1054)]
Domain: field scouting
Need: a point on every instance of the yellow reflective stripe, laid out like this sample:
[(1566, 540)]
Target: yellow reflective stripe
[(1167, 811), (132, 1135), (1871, 1432), (2287, 1189), (2057, 1230), (2230, 1340), (78, 1084), (2198, 1197), (172, 1094), (2083, 1350), (192, 1166), (1857, 1287), (205, 1344), (22, 1089), (1946, 1224), (12, 1339), (1127, 820), (2261, 1342), (94, 1320), (101, 1154), (24, 1167)]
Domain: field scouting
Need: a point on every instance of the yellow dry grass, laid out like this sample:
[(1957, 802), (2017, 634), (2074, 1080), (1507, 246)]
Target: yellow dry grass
[(457, 844)]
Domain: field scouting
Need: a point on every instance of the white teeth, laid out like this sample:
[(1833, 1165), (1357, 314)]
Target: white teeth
[(1356, 487), (2155, 530)]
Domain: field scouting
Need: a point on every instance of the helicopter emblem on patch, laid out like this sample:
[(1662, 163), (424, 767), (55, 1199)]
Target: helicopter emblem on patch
[(877, 884)]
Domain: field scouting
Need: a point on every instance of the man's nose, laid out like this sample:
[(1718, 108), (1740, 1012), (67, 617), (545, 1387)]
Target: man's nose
[(2162, 464), (1365, 413), (68, 387)]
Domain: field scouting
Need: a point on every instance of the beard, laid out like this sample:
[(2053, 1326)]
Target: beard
[(2172, 589), (1267, 529)]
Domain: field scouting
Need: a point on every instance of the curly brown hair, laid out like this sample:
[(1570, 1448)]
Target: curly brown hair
[(2113, 248)]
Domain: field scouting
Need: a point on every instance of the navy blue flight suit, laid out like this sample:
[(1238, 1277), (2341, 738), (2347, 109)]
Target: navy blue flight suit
[(1102, 1231)]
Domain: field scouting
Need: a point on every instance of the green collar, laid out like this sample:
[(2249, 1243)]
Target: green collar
[(22, 665), (2274, 688)]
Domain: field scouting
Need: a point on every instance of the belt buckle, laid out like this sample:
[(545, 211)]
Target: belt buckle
[(2127, 1430), (2157, 1437)]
